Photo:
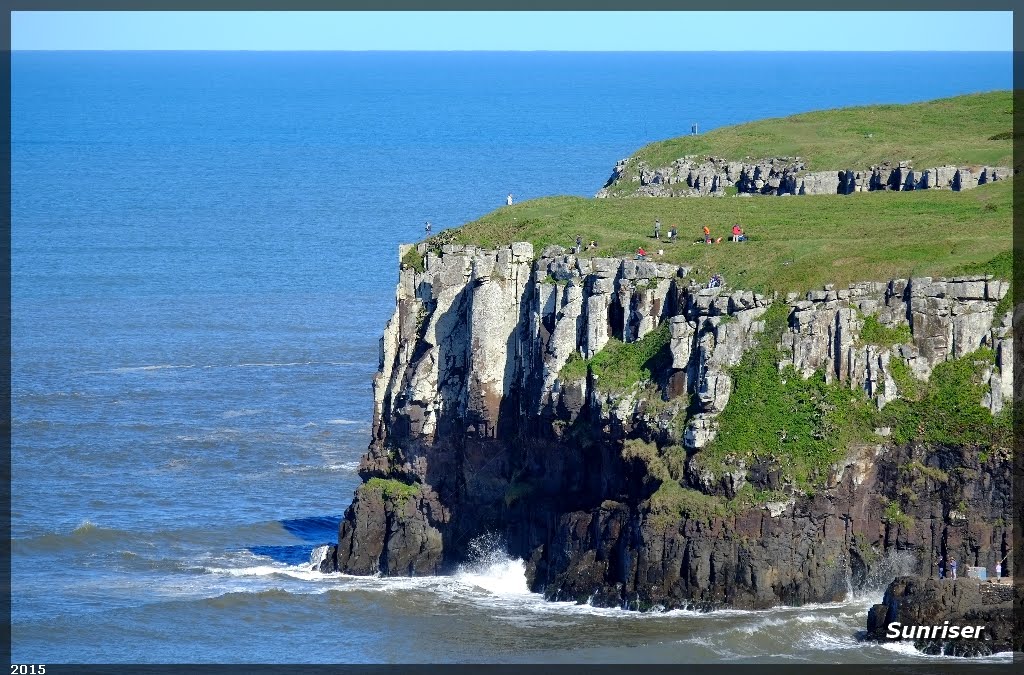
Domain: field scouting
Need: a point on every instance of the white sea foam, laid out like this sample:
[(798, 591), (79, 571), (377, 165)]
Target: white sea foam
[(301, 572), (342, 420), (505, 577), (137, 369), (908, 649), (352, 466), (245, 412), (317, 556)]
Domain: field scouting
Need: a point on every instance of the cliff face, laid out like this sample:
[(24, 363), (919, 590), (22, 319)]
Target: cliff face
[(484, 423), (693, 176)]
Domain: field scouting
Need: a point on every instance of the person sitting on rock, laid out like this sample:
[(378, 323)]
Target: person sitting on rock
[(641, 253), (673, 233)]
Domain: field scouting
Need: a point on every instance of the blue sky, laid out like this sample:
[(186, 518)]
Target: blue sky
[(568, 31)]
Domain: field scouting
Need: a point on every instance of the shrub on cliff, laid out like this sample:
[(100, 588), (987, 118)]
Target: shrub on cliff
[(414, 259), (874, 333), (949, 410), (621, 365), (392, 490)]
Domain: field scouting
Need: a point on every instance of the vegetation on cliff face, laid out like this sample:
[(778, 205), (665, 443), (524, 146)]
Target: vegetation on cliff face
[(620, 365), (801, 426), (796, 243), (874, 333), (947, 410), (392, 490), (414, 259), (962, 130)]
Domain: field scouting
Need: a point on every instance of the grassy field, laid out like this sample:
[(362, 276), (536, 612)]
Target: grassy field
[(964, 130), (796, 243)]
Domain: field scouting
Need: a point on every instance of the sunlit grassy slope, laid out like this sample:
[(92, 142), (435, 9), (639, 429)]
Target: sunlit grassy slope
[(796, 243)]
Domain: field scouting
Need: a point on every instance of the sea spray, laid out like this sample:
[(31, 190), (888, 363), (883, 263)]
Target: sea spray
[(490, 568), (317, 557), (887, 567)]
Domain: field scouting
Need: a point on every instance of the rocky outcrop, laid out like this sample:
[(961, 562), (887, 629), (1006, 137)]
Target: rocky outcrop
[(943, 319), (914, 602), (693, 176), (485, 423)]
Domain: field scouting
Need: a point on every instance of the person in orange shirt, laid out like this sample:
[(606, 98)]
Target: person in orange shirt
[(707, 235)]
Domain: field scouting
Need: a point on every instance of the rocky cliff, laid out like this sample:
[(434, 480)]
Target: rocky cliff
[(694, 176), (580, 408), (915, 602)]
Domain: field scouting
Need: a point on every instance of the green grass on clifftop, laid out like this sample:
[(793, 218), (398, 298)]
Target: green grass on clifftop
[(964, 130), (796, 243)]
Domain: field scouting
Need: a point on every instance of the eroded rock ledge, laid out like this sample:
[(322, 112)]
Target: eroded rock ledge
[(695, 176), (476, 431)]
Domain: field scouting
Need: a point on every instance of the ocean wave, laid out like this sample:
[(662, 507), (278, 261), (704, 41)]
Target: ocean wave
[(294, 571), (350, 467), (138, 369), (908, 649), (245, 412), (91, 537), (342, 420)]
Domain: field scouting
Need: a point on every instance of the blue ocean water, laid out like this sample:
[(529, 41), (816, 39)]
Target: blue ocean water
[(204, 256)]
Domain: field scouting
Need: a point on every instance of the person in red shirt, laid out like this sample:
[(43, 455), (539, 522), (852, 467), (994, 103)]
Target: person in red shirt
[(736, 232), (641, 253)]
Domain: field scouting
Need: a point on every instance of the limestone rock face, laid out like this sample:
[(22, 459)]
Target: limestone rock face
[(479, 427), (946, 318), (695, 176)]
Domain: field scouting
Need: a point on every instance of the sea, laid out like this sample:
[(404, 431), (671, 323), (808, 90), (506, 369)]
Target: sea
[(204, 255)]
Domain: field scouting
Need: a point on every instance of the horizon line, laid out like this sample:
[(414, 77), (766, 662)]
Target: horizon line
[(553, 51)]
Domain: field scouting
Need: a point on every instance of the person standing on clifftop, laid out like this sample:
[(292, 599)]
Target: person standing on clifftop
[(427, 227), (657, 229), (508, 200)]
